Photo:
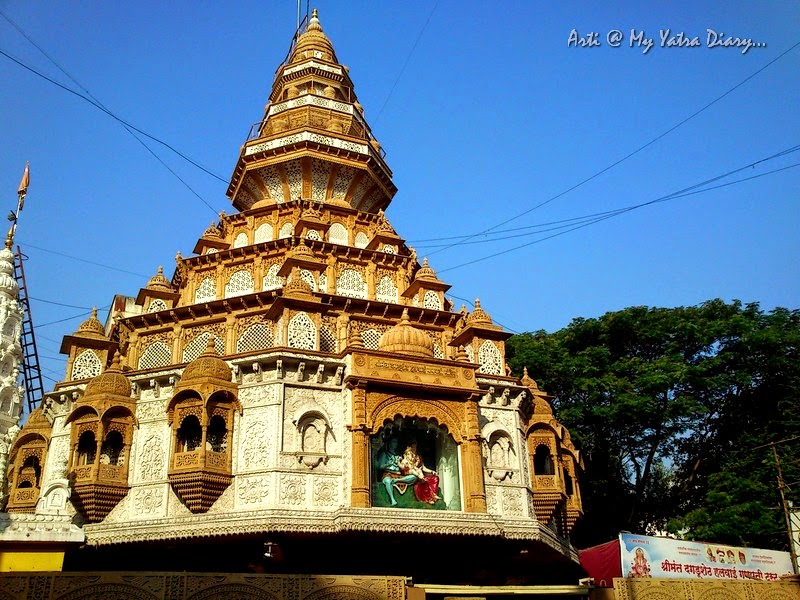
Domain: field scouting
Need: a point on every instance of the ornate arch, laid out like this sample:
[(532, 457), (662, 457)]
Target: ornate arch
[(433, 410)]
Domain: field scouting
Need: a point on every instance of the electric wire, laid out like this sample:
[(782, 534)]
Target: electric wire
[(112, 115), (405, 64), (544, 227), (84, 260), (100, 104), (630, 154), (617, 212), (58, 303)]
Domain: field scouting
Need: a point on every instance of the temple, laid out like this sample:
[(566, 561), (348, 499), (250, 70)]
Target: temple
[(300, 396)]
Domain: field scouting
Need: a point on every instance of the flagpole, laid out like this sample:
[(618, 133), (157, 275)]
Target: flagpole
[(22, 191)]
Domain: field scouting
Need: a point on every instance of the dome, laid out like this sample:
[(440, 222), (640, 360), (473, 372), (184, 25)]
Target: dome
[(301, 249), (425, 272), (404, 338), (91, 327), (111, 381), (313, 40), (479, 316), (159, 282), (208, 364), (212, 232), (311, 214)]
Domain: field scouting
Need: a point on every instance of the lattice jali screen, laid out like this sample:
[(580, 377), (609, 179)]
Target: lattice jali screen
[(198, 345), (156, 355), (386, 290), (256, 337), (313, 234), (272, 281), (437, 351), (206, 291), (156, 305), (323, 282), (388, 249), (319, 180), (86, 365), (371, 339), (337, 234), (470, 353), (432, 300), (240, 240), (308, 277), (294, 174), (263, 233), (240, 283), (361, 240), (489, 358), (272, 178), (302, 332), (287, 229), (343, 178), (350, 283), (327, 340)]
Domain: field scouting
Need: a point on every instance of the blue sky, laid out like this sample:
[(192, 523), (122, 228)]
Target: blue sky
[(486, 113)]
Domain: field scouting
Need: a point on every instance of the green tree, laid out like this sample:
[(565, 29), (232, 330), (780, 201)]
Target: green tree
[(667, 406)]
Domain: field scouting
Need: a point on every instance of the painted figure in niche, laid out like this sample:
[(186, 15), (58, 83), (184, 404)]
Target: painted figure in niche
[(388, 464), (639, 566), (426, 486)]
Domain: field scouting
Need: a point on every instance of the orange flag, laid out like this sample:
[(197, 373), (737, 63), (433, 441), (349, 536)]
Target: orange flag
[(26, 179)]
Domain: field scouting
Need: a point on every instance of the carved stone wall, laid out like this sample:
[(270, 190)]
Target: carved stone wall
[(683, 589), (199, 586)]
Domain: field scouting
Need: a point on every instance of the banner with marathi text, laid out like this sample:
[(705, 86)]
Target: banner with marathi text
[(646, 556)]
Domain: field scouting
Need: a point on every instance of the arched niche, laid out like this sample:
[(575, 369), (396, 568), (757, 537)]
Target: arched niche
[(415, 464)]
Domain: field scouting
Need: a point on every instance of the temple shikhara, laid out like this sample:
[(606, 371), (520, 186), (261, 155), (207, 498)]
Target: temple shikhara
[(300, 396)]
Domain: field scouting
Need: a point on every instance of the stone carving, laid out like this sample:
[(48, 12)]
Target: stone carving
[(324, 493), (512, 506), (252, 490), (293, 489), (152, 462), (148, 501), (148, 411), (255, 450), (256, 395)]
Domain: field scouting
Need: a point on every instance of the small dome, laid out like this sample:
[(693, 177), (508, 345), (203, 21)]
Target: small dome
[(479, 316), (313, 39), (311, 214), (91, 327), (208, 364), (425, 272), (385, 227), (111, 381), (296, 284), (212, 232), (301, 249), (159, 282), (404, 338)]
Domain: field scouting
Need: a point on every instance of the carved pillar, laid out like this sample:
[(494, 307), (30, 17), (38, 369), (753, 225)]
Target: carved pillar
[(474, 488), (360, 491)]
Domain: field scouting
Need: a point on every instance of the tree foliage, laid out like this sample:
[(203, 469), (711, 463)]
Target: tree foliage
[(673, 409)]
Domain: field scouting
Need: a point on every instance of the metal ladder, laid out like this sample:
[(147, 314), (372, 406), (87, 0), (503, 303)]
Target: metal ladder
[(32, 373)]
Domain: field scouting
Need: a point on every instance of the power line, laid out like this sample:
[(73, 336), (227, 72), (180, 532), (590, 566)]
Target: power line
[(59, 303), (689, 191), (405, 64), (84, 260), (112, 115), (630, 154), (93, 97)]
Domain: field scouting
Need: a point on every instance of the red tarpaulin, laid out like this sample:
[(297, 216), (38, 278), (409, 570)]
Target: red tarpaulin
[(602, 563)]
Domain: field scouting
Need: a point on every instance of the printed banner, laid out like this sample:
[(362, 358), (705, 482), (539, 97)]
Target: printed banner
[(646, 556)]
